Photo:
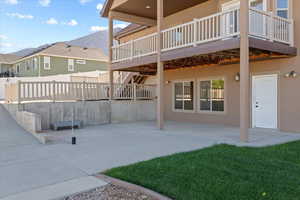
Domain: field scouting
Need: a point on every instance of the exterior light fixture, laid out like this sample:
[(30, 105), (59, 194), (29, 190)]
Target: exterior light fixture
[(237, 77), (291, 74)]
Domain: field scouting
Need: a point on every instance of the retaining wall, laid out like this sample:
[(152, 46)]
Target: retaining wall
[(90, 112)]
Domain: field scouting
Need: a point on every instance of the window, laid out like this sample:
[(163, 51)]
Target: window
[(27, 63), (81, 62), (184, 96), (211, 95), (47, 63), (35, 64), (258, 4), (70, 65), (283, 8), (18, 69)]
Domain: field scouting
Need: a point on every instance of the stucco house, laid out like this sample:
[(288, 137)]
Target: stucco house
[(6, 63), (60, 58), (226, 62)]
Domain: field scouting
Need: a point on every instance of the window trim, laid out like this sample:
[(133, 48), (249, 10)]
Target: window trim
[(47, 68), (236, 3), (80, 62), (194, 96), (73, 65), (198, 96)]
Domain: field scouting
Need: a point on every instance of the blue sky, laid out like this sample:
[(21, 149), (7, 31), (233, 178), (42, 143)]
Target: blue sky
[(30, 23)]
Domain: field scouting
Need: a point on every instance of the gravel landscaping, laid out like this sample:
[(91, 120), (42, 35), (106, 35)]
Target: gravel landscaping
[(110, 192)]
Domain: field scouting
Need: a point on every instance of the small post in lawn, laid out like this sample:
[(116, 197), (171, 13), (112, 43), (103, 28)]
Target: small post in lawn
[(73, 136)]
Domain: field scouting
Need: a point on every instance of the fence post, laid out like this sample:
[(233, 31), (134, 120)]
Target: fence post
[(83, 91), (134, 91), (19, 92), (53, 91)]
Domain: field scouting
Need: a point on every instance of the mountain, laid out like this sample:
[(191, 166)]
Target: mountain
[(28, 51), (95, 40)]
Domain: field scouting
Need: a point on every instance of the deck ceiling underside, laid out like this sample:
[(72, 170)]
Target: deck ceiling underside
[(223, 52), (148, 8)]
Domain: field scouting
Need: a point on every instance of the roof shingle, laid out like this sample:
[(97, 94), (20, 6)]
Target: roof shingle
[(8, 58)]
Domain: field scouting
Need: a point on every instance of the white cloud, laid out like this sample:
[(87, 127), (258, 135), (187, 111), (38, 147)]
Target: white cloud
[(12, 2), (73, 22), (98, 28), (52, 21), (3, 37), (19, 15), (4, 44), (120, 25), (104, 28), (44, 3), (84, 1), (99, 6)]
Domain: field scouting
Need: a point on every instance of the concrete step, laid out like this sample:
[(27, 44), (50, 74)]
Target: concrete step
[(60, 190)]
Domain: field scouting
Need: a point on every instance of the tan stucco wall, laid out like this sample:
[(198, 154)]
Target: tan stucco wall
[(288, 98), (288, 88), (201, 10)]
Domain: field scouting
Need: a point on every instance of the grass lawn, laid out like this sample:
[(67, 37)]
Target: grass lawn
[(221, 172)]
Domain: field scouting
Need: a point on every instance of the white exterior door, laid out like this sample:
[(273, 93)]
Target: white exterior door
[(264, 101)]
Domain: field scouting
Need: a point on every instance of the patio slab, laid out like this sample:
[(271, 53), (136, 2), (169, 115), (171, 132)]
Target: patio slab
[(59, 190), (28, 166)]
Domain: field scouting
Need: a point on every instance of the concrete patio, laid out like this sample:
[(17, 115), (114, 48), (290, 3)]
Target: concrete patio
[(29, 165)]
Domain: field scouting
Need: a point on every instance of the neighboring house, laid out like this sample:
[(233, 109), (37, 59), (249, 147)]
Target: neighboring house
[(6, 64), (201, 61), (60, 58)]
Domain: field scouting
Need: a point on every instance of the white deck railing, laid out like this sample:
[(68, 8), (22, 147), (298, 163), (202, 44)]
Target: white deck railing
[(75, 91), (268, 26), (262, 24)]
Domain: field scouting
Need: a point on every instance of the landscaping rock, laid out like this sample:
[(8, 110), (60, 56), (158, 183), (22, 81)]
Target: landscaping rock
[(110, 192)]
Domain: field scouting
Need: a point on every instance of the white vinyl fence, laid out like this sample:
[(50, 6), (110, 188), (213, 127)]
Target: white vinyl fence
[(85, 76), (75, 91)]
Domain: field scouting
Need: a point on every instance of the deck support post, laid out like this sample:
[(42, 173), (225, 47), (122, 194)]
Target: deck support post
[(270, 5), (160, 66), (244, 73), (292, 25), (110, 44)]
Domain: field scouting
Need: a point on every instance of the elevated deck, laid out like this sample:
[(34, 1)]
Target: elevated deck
[(209, 40)]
